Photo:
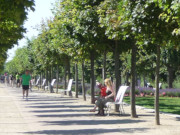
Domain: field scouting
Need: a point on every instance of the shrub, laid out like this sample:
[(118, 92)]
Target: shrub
[(176, 83), (136, 92), (164, 94), (142, 94), (170, 94), (149, 92), (177, 94), (127, 92)]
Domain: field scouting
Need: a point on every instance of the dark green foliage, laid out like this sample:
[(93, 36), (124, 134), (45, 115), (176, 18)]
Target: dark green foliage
[(13, 13)]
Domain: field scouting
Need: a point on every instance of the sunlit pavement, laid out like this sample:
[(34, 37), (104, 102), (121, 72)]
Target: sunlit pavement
[(45, 113)]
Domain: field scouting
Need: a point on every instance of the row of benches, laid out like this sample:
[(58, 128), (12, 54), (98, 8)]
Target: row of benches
[(118, 99), (52, 85)]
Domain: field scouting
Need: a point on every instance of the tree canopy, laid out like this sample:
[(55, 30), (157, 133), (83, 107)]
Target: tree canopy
[(13, 13)]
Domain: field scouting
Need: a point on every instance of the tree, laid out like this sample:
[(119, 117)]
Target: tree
[(109, 18), (78, 28), (13, 15), (20, 62), (153, 22)]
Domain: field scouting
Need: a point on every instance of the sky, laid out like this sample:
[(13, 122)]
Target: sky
[(42, 11)]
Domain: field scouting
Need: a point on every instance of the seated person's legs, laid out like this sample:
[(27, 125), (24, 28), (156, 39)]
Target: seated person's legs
[(101, 105), (97, 103)]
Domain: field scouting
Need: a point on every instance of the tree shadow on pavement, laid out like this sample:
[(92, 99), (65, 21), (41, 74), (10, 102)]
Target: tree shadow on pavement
[(52, 111), (61, 106), (178, 119), (89, 131), (32, 99), (58, 102), (65, 115), (145, 114), (92, 122)]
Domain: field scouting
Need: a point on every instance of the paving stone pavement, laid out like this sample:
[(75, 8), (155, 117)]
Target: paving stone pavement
[(51, 114)]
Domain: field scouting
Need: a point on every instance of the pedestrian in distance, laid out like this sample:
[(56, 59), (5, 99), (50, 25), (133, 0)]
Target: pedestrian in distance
[(25, 78), (6, 79), (2, 78), (17, 80), (11, 79)]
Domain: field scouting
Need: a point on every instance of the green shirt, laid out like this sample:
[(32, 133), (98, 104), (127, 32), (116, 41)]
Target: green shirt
[(25, 79), (17, 77)]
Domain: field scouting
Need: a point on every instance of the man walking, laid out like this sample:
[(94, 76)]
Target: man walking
[(25, 83)]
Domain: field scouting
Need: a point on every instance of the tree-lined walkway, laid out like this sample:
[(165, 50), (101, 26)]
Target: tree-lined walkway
[(46, 113)]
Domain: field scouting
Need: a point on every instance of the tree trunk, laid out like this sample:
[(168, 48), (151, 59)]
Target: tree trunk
[(52, 72), (127, 78), (47, 78), (65, 75), (44, 77), (170, 77), (157, 119), (83, 83), (57, 78), (50, 79), (92, 77), (133, 76), (68, 69), (104, 67), (69, 74), (144, 79), (40, 81), (117, 73), (76, 79)]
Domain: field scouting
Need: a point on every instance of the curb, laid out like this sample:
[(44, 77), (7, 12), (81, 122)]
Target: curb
[(153, 111)]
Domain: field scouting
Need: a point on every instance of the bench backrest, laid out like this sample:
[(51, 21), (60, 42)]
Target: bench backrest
[(44, 81), (69, 85), (52, 82), (160, 85), (37, 82), (148, 84), (120, 94)]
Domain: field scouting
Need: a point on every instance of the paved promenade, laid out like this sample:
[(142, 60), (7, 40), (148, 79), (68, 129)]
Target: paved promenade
[(51, 114)]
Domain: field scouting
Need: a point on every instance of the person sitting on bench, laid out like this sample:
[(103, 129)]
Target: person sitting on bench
[(101, 101)]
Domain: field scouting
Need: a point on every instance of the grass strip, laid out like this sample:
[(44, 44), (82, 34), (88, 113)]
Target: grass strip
[(166, 104)]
